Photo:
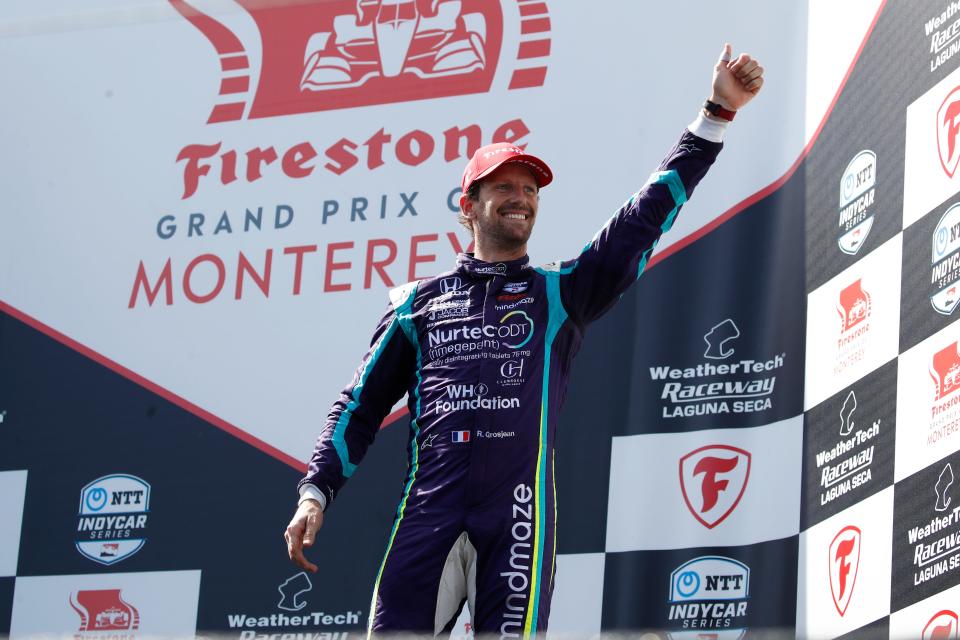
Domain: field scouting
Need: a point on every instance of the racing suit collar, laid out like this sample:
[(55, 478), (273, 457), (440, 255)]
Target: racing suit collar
[(467, 263)]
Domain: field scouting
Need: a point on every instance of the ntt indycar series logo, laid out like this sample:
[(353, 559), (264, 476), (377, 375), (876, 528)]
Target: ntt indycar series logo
[(709, 596), (113, 518), (857, 195), (945, 262), (724, 382)]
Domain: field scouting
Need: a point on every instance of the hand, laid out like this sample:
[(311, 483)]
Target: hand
[(735, 82), (302, 531)]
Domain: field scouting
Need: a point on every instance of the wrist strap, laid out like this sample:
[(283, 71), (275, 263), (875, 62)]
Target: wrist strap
[(716, 110)]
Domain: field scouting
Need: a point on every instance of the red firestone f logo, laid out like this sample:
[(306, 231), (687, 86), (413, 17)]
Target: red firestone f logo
[(710, 487)]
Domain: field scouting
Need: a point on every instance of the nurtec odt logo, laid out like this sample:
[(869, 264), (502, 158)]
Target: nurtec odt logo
[(857, 194), (945, 262), (709, 596), (726, 381), (112, 521)]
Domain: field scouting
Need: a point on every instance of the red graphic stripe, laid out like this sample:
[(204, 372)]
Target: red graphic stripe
[(166, 394), (525, 78), (537, 9), (236, 84), (219, 36), (232, 63), (534, 49), (779, 182), (227, 112), (538, 25)]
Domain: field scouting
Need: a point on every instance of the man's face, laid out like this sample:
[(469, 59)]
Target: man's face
[(504, 213)]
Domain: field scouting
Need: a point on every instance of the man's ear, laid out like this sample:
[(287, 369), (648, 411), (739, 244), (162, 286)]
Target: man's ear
[(466, 206)]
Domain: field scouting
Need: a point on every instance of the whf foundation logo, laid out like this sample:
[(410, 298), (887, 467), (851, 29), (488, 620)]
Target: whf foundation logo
[(104, 611), (942, 626), (339, 54), (948, 129), (713, 480), (844, 559)]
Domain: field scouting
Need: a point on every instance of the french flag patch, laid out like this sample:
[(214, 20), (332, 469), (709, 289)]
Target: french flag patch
[(461, 436)]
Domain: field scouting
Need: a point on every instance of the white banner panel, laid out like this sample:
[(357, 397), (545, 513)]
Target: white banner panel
[(932, 150), (13, 487), (844, 569), (853, 323), (577, 596), (928, 402), (159, 604), (717, 487), (228, 206)]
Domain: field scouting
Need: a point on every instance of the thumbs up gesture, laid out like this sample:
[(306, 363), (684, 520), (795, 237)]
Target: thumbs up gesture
[(735, 81)]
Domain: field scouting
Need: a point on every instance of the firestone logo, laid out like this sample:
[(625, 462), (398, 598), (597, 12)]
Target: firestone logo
[(713, 479), (945, 371), (844, 561), (948, 129), (853, 306), (942, 626), (340, 54), (104, 610)]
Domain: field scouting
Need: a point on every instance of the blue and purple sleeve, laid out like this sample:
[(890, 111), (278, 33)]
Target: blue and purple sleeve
[(378, 383), (618, 253)]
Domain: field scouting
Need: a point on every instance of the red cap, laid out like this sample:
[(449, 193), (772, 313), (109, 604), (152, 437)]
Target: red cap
[(488, 158)]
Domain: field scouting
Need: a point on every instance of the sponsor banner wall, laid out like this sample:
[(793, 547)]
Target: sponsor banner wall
[(91, 606), (210, 200)]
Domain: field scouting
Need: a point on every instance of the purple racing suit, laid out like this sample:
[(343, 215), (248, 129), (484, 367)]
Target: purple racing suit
[(484, 353)]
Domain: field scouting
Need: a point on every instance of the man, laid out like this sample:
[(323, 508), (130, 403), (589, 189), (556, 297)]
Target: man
[(484, 353)]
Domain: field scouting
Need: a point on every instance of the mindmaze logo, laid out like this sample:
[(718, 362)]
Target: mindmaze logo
[(112, 522), (722, 383), (857, 194), (709, 596)]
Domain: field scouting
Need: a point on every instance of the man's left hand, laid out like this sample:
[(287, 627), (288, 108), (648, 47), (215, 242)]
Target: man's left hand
[(735, 82)]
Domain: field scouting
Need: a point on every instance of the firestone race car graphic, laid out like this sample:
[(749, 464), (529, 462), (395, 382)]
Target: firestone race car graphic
[(340, 54), (104, 610)]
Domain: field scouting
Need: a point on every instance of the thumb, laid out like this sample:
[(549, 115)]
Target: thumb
[(726, 55)]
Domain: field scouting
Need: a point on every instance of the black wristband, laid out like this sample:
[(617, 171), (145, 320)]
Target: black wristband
[(716, 110)]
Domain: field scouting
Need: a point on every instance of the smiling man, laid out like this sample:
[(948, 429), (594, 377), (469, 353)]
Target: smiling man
[(484, 354)]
